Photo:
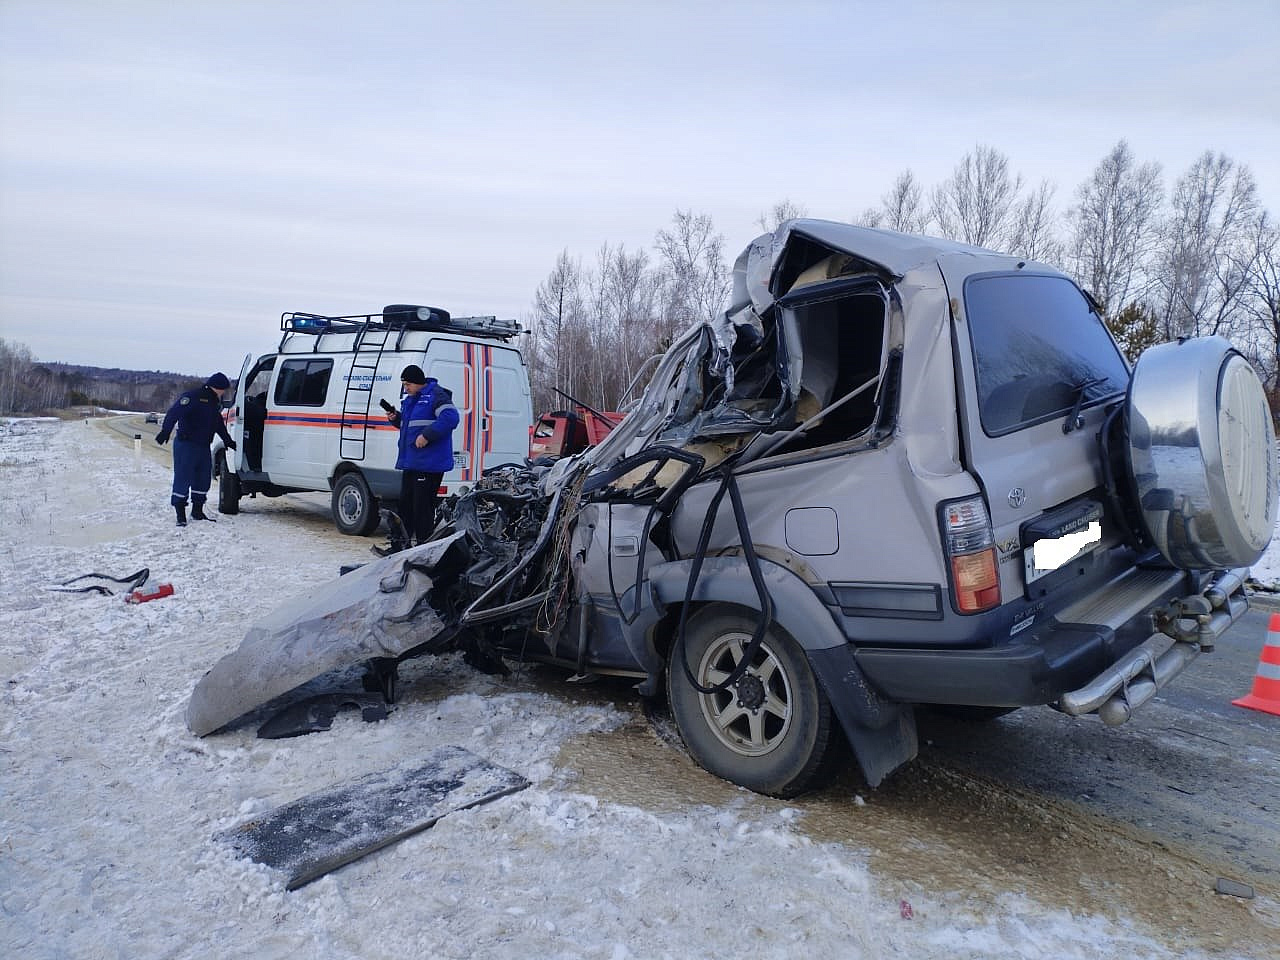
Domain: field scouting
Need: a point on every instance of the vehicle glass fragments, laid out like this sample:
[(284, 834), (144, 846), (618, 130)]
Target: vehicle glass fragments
[(1039, 350)]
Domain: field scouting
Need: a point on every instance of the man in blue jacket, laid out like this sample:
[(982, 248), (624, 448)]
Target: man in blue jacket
[(426, 418), (198, 416)]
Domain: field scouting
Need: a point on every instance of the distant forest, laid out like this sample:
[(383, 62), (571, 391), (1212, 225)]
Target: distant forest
[(30, 387)]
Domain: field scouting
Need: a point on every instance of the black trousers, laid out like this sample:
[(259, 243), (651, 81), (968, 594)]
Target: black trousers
[(418, 494)]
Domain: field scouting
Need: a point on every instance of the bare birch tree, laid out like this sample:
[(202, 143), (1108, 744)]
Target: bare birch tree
[(558, 321), (1033, 227), (1114, 227), (903, 206), (15, 372), (1261, 342), (1199, 275), (975, 204), (780, 212), (693, 255)]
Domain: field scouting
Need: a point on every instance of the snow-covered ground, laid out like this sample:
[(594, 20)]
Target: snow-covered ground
[(108, 805)]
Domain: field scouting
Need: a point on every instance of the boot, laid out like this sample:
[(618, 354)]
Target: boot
[(197, 512), (181, 509)]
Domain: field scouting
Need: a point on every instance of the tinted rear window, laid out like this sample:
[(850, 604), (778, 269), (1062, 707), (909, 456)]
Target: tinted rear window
[(1036, 343)]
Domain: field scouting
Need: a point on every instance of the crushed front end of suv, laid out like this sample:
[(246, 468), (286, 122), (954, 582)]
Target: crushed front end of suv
[(899, 472)]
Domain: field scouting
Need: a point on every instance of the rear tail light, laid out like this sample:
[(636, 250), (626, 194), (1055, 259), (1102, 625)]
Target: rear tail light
[(971, 553)]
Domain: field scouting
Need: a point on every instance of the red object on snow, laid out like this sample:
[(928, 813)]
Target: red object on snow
[(143, 594), (904, 910)]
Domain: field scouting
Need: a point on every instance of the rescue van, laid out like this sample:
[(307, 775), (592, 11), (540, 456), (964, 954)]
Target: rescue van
[(308, 417)]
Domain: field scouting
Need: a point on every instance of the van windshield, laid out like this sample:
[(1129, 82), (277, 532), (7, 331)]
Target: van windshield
[(1037, 347)]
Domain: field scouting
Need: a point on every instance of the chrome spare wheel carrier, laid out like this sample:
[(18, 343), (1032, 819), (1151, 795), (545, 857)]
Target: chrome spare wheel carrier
[(1187, 628)]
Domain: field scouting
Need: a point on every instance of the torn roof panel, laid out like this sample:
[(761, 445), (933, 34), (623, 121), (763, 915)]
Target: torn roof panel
[(771, 264), (744, 377)]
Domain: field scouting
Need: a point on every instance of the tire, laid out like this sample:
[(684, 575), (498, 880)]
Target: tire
[(1201, 452), (355, 509), (408, 313), (228, 489), (781, 746)]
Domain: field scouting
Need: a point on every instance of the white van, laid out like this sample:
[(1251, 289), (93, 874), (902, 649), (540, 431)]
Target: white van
[(308, 417)]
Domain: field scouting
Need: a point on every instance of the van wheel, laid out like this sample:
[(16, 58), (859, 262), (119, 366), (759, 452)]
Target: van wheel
[(355, 510), (772, 731), (228, 489)]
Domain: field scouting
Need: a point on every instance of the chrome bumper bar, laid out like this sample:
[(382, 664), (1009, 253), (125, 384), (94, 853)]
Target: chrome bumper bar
[(1137, 676)]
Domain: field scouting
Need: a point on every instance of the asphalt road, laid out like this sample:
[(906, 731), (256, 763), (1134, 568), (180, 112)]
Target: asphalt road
[(1189, 770)]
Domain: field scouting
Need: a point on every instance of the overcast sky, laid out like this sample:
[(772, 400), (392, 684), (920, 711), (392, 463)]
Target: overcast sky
[(174, 176)]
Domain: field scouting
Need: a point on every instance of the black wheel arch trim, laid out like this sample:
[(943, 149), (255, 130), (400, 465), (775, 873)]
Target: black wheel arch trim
[(881, 733)]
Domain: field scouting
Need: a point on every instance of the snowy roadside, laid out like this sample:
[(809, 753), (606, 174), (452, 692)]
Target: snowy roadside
[(110, 803)]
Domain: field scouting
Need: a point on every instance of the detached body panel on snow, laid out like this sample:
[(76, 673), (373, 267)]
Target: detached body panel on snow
[(376, 611)]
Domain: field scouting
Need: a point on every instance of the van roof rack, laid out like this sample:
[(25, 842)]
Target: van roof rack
[(400, 317)]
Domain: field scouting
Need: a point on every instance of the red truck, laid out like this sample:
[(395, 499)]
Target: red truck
[(564, 432)]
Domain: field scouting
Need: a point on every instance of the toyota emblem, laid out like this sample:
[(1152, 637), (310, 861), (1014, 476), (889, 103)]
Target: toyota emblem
[(1017, 497)]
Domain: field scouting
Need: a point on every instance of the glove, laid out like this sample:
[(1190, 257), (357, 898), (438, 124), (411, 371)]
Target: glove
[(231, 444), (162, 438)]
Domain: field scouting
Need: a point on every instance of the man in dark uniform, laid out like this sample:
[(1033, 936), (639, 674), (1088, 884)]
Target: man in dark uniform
[(426, 418), (198, 416)]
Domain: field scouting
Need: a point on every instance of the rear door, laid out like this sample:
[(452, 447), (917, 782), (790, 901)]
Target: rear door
[(1037, 369), (491, 391), (506, 406)]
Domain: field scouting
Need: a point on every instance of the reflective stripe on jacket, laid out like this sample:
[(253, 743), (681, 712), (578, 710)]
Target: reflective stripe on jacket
[(430, 414)]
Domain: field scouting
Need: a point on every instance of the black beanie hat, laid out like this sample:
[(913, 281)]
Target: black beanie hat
[(218, 381), (413, 374)]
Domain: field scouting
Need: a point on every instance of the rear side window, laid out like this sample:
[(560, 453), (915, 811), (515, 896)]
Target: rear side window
[(1037, 347), (303, 383)]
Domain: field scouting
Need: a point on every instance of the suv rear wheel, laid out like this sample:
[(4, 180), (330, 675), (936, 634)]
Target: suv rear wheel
[(771, 731)]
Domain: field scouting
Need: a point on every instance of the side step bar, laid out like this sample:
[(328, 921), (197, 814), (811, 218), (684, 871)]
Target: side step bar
[(1137, 676)]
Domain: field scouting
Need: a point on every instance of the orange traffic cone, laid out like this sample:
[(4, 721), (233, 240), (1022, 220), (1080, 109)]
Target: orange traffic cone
[(1266, 685)]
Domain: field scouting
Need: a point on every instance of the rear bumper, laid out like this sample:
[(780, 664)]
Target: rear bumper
[(1127, 640)]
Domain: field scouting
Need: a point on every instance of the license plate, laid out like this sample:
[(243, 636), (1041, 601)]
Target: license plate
[(1045, 556)]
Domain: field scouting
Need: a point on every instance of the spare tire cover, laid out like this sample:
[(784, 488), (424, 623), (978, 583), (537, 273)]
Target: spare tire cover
[(1202, 453)]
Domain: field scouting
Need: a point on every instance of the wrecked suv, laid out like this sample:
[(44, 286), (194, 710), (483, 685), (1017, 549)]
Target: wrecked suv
[(900, 472), (905, 471)]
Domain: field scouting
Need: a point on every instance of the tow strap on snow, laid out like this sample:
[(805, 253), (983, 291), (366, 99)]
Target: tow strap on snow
[(325, 830), (131, 582)]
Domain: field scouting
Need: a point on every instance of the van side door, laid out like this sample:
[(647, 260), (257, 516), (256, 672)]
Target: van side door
[(299, 428)]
